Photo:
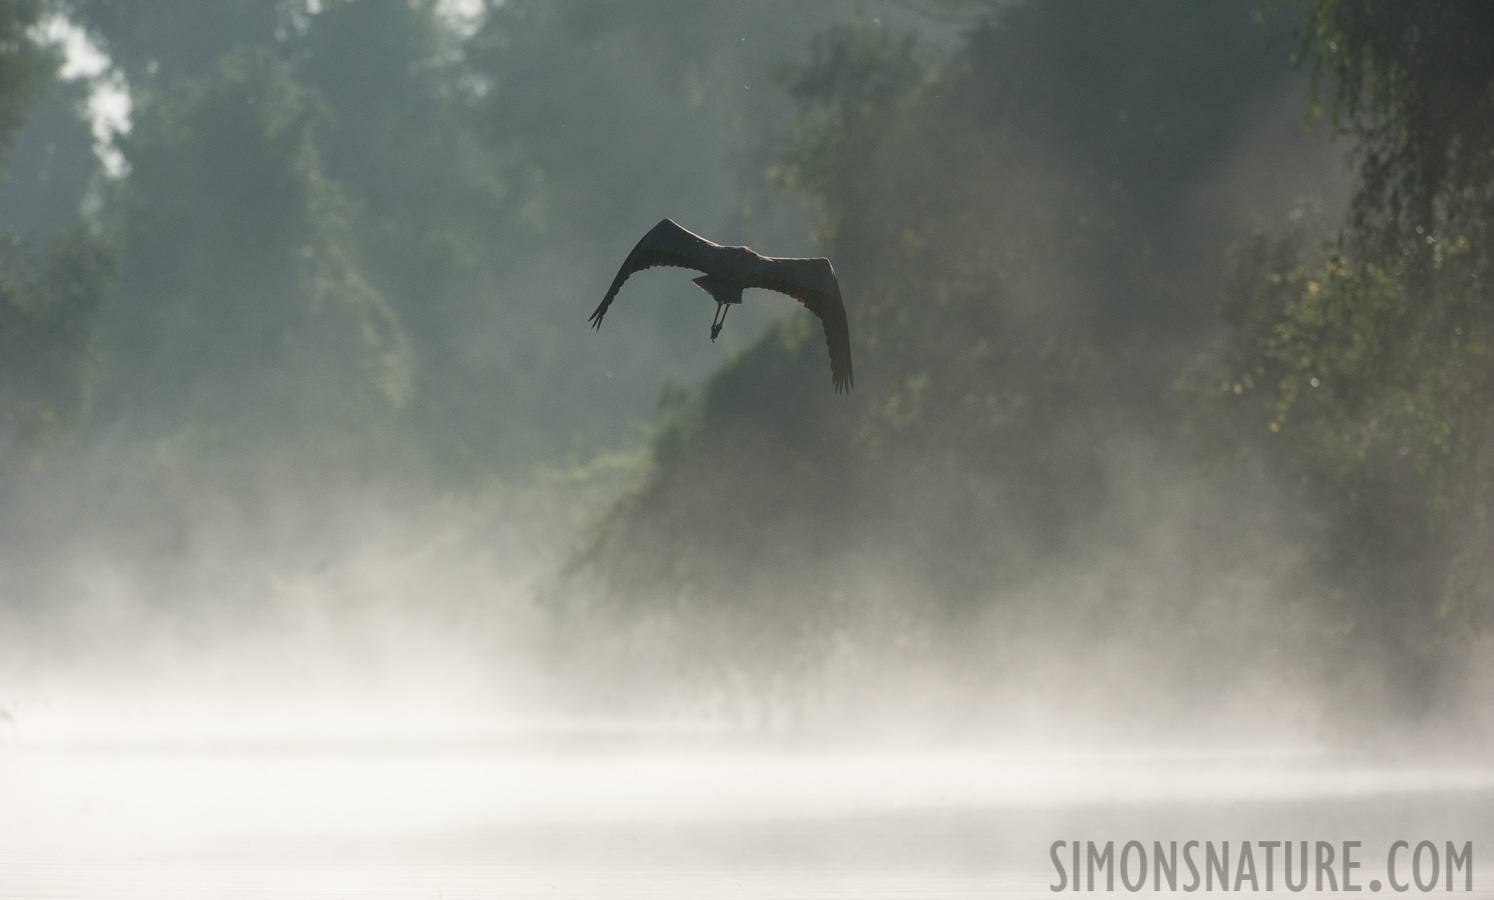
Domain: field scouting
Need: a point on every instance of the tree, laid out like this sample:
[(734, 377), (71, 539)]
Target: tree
[(1012, 227), (1364, 364), (1413, 83), (50, 296), (243, 300)]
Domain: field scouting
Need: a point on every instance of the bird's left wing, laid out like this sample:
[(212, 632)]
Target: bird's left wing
[(813, 283), (666, 244)]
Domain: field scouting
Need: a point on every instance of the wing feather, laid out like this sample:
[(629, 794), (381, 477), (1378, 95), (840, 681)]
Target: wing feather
[(813, 283), (666, 244)]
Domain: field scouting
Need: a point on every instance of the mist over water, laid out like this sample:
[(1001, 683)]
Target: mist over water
[(339, 558)]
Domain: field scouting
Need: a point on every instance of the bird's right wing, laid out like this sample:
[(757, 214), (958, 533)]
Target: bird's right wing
[(666, 244), (813, 283)]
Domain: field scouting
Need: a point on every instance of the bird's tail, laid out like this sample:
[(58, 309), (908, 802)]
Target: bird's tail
[(722, 292)]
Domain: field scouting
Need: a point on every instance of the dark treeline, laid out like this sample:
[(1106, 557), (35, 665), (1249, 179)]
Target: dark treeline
[(346, 251), (53, 275), (381, 194), (1049, 425), (1145, 369)]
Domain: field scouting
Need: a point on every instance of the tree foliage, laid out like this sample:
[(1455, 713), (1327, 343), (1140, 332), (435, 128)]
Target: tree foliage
[(1005, 222), (50, 295), (243, 290), (1413, 83), (1361, 364), (24, 67)]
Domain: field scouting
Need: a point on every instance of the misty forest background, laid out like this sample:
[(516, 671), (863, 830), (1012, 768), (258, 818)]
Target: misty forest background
[(1173, 329)]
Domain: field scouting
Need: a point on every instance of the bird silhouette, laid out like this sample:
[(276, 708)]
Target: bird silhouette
[(728, 270)]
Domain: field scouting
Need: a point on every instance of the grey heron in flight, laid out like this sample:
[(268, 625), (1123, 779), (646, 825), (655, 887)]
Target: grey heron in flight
[(728, 270)]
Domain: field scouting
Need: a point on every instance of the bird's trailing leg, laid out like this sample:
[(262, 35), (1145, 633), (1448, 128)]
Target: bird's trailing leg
[(719, 320)]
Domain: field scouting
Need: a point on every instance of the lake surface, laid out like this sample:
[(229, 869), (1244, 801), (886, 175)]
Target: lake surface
[(593, 816)]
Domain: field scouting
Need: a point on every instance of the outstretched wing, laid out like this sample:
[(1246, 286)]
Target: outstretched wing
[(813, 283), (666, 244)]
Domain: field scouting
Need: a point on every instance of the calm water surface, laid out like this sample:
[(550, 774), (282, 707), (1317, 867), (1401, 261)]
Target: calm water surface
[(595, 817)]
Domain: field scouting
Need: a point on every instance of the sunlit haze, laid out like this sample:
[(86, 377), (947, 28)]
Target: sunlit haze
[(342, 555)]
